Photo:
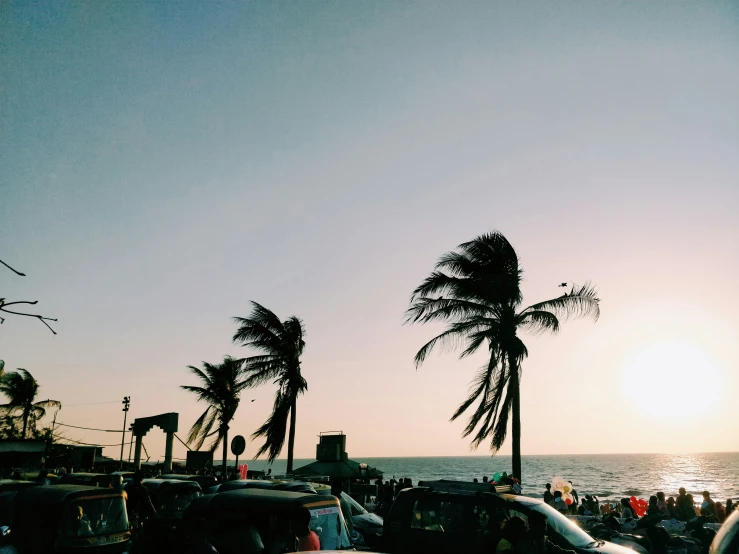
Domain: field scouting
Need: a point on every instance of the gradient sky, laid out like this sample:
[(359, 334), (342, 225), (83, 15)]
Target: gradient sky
[(165, 163)]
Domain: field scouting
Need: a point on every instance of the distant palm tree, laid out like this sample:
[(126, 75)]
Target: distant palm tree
[(476, 290), (282, 345), (21, 389), (221, 386)]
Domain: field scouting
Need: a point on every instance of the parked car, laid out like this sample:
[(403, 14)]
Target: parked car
[(368, 525), (424, 520)]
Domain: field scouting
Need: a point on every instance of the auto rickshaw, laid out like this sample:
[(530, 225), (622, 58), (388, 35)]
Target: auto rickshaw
[(8, 489), (170, 498), (251, 521), (70, 519)]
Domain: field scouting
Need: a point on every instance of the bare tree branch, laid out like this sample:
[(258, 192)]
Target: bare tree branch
[(4, 305), (13, 270)]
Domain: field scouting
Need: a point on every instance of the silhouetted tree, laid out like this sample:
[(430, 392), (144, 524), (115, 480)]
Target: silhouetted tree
[(221, 386), (476, 291), (21, 389), (282, 344)]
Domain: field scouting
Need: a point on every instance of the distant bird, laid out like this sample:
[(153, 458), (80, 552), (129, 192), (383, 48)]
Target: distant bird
[(253, 399), (563, 285)]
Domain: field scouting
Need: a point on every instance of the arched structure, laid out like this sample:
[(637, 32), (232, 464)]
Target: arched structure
[(167, 423)]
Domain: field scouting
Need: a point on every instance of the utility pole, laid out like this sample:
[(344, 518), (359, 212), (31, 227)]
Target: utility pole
[(126, 402), (130, 444)]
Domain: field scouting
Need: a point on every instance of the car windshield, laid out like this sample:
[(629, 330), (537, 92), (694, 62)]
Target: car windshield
[(329, 525), (93, 517), (357, 508), (563, 526)]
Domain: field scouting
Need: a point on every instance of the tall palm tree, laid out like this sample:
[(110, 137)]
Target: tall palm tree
[(476, 291), (282, 344), (221, 386), (21, 389)]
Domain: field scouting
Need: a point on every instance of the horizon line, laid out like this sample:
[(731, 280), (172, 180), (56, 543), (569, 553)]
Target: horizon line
[(509, 455)]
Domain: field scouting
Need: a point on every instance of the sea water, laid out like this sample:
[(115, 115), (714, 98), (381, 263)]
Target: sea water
[(609, 476)]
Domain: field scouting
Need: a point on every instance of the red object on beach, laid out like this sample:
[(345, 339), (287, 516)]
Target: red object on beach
[(568, 501), (243, 468)]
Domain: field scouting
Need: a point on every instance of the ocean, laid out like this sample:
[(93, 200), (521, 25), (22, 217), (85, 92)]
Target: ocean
[(609, 476)]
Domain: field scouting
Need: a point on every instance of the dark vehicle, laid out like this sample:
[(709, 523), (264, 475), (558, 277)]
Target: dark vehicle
[(726, 540), (171, 497), (251, 521), (86, 479), (290, 486), (9, 488), (70, 518), (429, 521), (368, 525), (205, 481)]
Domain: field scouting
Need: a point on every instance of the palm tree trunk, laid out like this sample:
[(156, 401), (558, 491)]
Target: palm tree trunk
[(516, 424), (291, 436), (26, 414), (224, 434)]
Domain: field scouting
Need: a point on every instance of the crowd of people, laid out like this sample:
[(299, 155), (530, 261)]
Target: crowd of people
[(682, 508)]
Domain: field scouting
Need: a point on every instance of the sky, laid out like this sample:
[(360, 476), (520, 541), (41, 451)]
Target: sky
[(163, 164)]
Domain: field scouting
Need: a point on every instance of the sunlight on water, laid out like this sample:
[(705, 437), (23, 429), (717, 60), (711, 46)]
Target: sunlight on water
[(610, 476)]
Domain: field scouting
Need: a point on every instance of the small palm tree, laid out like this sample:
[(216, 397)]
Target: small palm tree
[(282, 345), (476, 290), (21, 389), (221, 386)]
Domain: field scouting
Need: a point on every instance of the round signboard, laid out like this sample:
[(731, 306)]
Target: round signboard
[(238, 445)]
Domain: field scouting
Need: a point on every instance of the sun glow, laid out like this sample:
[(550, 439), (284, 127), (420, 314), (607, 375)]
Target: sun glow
[(672, 381)]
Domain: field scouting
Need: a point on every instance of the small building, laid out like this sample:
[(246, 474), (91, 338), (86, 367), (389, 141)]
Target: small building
[(84, 457), (333, 463), (26, 454)]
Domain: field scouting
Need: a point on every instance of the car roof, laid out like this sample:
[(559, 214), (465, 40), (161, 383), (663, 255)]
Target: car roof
[(449, 485), (244, 500), (59, 493), (171, 483), (727, 534)]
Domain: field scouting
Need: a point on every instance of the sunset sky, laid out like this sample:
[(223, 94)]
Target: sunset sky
[(165, 163)]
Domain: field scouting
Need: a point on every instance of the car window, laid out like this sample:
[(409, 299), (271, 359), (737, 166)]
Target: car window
[(452, 516)]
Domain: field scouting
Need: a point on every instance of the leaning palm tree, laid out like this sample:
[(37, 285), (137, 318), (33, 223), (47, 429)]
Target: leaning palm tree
[(476, 291), (221, 386), (21, 389), (281, 344)]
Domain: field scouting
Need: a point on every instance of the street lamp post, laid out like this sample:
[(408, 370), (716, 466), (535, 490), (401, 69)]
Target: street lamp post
[(126, 402)]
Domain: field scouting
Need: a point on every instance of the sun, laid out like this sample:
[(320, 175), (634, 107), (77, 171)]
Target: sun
[(671, 381)]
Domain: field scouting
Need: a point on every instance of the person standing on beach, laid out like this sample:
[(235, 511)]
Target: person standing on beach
[(573, 492), (685, 510), (707, 505), (548, 496)]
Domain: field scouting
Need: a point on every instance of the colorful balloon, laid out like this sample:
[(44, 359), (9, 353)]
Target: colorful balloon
[(568, 501), (497, 477)]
